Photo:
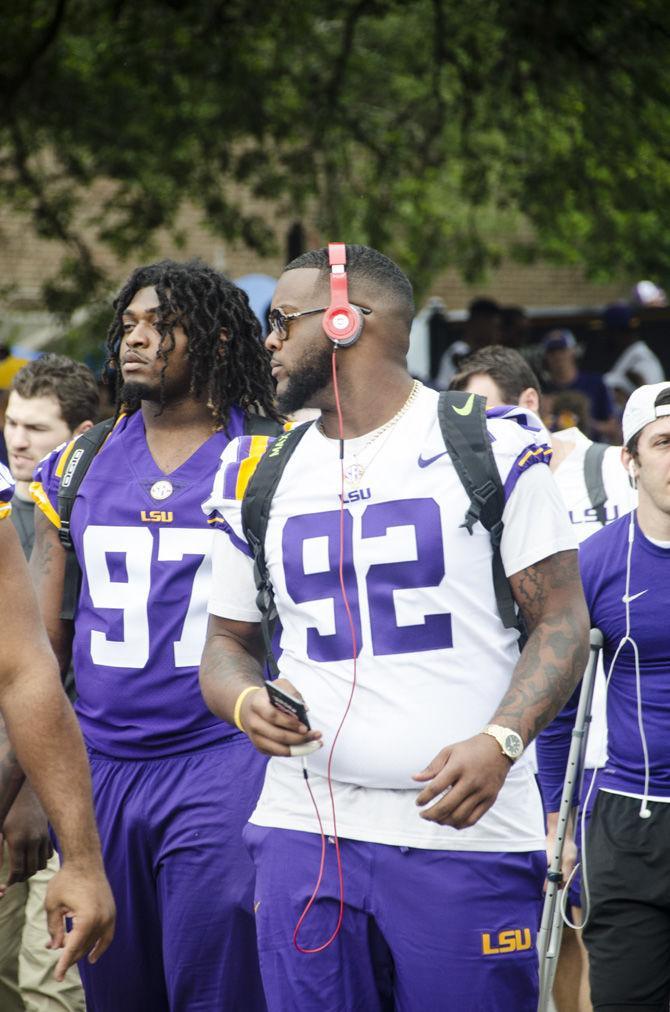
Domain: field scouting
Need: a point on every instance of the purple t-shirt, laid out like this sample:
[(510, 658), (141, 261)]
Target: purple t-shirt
[(603, 568), (144, 548), (602, 559)]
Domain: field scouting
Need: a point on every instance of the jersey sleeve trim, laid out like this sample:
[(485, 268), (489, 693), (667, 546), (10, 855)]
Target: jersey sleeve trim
[(527, 458), (247, 467), (64, 457), (5, 510), (41, 499)]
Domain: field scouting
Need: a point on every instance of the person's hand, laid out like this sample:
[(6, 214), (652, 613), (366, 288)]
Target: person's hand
[(466, 779), (272, 731), (26, 833), (81, 892), (569, 853)]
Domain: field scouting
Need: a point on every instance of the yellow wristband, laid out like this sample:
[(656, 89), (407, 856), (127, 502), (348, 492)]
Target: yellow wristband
[(238, 705)]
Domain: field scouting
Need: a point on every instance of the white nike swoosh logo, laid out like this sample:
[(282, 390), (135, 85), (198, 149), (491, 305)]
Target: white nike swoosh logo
[(633, 597)]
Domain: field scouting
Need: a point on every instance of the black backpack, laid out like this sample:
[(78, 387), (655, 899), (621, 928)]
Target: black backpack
[(466, 437), (85, 448)]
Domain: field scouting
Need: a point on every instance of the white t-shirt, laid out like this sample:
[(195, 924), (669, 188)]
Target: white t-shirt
[(639, 359), (621, 498), (434, 658)]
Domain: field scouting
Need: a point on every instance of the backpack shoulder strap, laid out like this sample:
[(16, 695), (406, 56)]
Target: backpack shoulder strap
[(260, 425), (83, 452), (593, 476), (462, 420), (256, 506)]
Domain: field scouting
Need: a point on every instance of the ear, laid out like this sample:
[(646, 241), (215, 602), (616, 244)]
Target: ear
[(530, 399), (84, 427), (223, 338)]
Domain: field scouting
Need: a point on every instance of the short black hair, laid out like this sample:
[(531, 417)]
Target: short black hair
[(506, 367), (483, 307), (368, 266), (70, 383), (203, 302), (631, 445)]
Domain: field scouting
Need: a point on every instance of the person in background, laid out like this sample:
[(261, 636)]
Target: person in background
[(636, 363), (514, 327), (482, 327), (51, 400), (563, 373)]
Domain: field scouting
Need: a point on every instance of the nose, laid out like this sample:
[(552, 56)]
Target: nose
[(17, 437), (140, 335), (273, 341)]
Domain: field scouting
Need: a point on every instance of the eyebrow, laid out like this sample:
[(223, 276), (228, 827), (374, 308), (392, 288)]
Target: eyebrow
[(146, 312)]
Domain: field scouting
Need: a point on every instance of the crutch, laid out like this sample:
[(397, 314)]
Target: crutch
[(551, 926)]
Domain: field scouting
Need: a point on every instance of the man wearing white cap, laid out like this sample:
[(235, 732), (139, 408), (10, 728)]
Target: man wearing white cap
[(625, 569)]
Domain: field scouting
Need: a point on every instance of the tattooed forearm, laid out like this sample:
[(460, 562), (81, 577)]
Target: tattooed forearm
[(11, 774), (551, 599)]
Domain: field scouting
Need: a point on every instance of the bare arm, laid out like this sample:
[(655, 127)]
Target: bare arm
[(47, 569), (551, 599), (44, 732), (232, 661), (11, 774)]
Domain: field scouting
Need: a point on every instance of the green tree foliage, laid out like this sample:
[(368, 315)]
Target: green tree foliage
[(424, 127)]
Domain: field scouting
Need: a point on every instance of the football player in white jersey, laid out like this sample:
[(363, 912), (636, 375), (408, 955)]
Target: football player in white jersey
[(504, 377), (44, 732), (419, 702)]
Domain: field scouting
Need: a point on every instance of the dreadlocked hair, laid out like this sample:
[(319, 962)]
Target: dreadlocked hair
[(203, 302)]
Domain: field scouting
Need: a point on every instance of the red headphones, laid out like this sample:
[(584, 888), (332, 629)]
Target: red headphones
[(342, 323)]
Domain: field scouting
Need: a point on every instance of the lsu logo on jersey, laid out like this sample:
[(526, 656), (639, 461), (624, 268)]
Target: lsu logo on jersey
[(514, 940), (356, 495), (157, 516), (590, 516)]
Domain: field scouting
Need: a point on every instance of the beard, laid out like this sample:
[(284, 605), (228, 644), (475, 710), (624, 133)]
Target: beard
[(133, 393), (312, 376)]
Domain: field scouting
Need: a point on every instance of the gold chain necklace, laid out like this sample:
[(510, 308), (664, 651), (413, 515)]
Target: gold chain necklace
[(354, 472)]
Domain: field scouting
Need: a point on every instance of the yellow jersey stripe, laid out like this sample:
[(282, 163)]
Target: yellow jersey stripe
[(5, 509), (60, 467), (539, 452), (259, 445), (41, 499)]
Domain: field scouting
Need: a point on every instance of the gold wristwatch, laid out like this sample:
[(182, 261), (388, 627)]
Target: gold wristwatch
[(511, 743)]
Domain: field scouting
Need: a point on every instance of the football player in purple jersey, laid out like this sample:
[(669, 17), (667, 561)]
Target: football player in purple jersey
[(48, 746), (172, 785)]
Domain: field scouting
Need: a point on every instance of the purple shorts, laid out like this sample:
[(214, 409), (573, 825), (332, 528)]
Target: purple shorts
[(171, 832), (422, 929)]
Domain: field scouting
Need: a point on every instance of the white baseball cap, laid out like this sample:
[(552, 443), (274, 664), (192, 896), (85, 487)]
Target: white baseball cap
[(641, 409)]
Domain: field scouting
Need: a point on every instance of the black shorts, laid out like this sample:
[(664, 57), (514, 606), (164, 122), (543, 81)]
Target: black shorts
[(628, 930)]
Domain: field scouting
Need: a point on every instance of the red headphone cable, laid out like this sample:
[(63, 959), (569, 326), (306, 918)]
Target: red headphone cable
[(354, 644)]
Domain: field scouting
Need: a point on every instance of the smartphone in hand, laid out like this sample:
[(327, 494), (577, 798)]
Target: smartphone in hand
[(289, 704)]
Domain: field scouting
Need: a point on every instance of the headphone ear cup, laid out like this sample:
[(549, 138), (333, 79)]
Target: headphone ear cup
[(343, 325)]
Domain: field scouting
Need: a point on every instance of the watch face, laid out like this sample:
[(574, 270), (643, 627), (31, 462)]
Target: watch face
[(513, 745)]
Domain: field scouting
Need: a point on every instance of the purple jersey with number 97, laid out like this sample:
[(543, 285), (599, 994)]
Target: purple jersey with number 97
[(144, 548)]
